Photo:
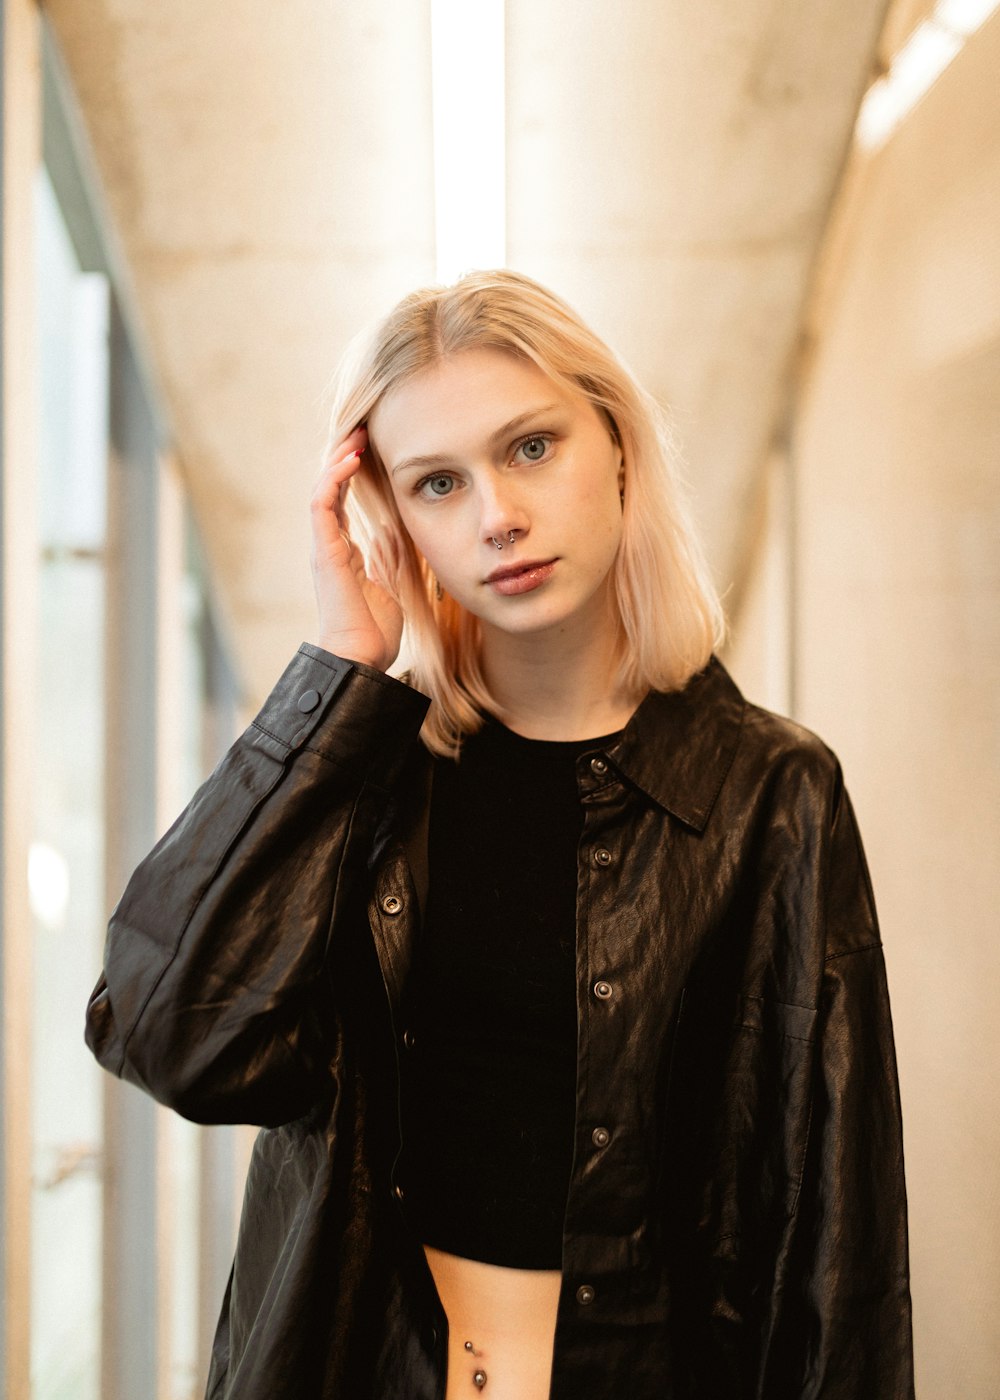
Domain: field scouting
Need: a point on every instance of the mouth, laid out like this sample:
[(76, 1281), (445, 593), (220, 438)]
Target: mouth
[(521, 578)]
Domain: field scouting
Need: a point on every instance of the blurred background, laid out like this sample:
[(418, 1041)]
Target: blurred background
[(785, 215)]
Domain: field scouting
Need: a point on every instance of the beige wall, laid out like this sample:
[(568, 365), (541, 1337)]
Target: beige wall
[(895, 658)]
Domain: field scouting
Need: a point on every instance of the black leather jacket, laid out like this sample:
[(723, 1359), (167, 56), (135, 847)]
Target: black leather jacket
[(737, 1230)]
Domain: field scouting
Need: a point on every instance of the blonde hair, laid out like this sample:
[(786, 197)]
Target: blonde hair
[(669, 614)]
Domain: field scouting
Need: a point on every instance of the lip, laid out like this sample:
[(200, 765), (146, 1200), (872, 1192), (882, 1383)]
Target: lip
[(521, 578)]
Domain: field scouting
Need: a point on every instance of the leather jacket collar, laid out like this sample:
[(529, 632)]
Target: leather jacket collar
[(679, 745)]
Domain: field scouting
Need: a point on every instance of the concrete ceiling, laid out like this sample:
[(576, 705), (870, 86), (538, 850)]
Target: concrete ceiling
[(268, 169)]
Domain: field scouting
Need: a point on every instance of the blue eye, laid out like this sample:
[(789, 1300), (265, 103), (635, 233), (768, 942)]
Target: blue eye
[(439, 485), (534, 448)]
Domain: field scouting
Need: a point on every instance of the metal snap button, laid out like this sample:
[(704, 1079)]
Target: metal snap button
[(408, 1038), (602, 856), (598, 767), (603, 990), (391, 904), (308, 700), (600, 1137), (585, 1294), (398, 1192)]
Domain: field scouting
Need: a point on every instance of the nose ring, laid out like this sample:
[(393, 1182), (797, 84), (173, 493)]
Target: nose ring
[(499, 543)]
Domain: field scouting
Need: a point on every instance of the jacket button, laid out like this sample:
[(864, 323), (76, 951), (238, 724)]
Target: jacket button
[(600, 1137), (585, 1294), (602, 856), (398, 1192), (603, 990), (308, 700), (598, 767), (408, 1038), (392, 904)]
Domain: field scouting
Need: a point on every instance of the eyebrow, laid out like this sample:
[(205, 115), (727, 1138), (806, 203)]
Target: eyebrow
[(438, 459)]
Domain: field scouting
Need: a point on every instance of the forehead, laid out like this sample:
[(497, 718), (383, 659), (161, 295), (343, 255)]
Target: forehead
[(462, 399)]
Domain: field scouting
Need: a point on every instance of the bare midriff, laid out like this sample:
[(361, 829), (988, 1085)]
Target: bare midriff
[(509, 1318)]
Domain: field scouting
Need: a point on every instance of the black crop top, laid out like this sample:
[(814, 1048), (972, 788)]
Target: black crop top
[(489, 1079)]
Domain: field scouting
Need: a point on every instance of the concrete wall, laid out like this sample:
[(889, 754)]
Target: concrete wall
[(885, 577)]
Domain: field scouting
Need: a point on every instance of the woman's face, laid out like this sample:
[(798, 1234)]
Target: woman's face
[(483, 444)]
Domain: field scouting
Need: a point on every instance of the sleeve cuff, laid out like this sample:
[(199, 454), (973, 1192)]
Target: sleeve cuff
[(348, 712)]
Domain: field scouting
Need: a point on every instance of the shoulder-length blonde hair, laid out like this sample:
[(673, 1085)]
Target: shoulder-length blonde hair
[(668, 611)]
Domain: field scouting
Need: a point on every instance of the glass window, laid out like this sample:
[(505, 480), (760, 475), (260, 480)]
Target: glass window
[(66, 861), (132, 1208)]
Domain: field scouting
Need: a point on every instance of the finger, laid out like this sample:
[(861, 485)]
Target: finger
[(327, 497), (355, 438), (355, 441), (329, 534), (347, 447)]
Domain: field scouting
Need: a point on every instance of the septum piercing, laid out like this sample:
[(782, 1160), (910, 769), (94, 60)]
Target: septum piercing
[(499, 543)]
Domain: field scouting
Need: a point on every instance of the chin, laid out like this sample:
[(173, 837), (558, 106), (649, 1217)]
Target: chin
[(527, 619)]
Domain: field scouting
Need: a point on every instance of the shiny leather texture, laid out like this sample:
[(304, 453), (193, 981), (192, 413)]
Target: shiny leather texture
[(736, 1223)]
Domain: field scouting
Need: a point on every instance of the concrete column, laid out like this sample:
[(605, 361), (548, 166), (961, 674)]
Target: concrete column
[(897, 656)]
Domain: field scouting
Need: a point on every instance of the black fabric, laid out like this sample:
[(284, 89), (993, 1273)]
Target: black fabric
[(489, 1089), (736, 1219)]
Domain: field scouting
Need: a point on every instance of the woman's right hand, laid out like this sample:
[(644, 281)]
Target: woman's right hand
[(358, 618)]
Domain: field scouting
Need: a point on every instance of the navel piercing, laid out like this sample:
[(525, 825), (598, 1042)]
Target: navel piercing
[(478, 1376)]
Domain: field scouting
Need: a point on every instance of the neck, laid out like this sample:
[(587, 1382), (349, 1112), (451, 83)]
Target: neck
[(557, 684)]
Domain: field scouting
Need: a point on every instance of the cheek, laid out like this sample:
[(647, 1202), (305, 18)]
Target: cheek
[(411, 521), (602, 511), (607, 552), (430, 539), (607, 531)]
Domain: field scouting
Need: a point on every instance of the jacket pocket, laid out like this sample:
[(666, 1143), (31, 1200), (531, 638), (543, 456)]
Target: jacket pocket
[(738, 1114)]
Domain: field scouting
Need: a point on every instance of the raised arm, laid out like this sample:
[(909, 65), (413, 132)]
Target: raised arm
[(213, 995), (213, 990)]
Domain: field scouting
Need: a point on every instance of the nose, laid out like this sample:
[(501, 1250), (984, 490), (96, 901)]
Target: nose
[(501, 514)]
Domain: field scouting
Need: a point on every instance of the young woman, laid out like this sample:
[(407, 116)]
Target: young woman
[(551, 970)]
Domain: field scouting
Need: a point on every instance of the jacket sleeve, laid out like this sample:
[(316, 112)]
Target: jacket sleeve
[(847, 1315), (211, 997)]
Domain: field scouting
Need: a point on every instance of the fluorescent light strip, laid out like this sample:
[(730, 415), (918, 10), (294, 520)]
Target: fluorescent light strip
[(928, 51), (963, 17), (467, 72)]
